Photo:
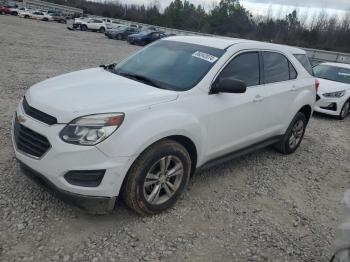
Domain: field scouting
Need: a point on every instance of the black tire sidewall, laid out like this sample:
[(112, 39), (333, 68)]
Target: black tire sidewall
[(148, 163), (299, 116), (340, 117)]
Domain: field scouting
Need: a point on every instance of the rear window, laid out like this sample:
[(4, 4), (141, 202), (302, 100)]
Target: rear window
[(304, 60)]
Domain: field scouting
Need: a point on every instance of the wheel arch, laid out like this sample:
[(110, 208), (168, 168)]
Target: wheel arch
[(307, 111), (183, 140), (190, 146)]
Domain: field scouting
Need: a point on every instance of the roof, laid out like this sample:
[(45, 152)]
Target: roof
[(347, 66), (225, 42)]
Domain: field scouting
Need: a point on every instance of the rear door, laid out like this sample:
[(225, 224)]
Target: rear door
[(279, 89)]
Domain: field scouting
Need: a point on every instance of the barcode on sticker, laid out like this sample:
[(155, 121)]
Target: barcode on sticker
[(204, 56)]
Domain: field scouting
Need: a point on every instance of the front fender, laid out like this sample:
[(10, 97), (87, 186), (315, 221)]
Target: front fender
[(142, 129)]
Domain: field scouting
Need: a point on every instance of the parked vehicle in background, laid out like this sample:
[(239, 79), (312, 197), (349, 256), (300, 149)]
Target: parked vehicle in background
[(333, 96), (93, 24), (26, 13), (59, 18), (121, 33), (136, 26), (114, 25), (77, 22), (145, 37), (42, 16), (5, 10), (15, 9), (139, 129)]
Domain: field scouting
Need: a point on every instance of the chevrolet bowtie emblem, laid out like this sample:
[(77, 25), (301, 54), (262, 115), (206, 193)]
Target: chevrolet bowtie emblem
[(20, 119)]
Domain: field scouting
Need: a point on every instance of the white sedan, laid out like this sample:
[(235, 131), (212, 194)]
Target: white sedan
[(333, 96)]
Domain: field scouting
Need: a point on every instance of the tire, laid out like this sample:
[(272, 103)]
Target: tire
[(102, 30), (293, 136), (26, 16), (158, 195), (45, 19), (120, 37), (83, 28), (345, 110), (14, 13)]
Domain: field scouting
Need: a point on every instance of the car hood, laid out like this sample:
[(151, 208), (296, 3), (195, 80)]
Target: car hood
[(328, 86), (93, 91)]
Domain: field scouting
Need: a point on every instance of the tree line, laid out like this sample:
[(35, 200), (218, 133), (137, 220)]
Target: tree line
[(230, 18)]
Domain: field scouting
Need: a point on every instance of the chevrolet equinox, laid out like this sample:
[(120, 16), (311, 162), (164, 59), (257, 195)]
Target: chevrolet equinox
[(138, 129)]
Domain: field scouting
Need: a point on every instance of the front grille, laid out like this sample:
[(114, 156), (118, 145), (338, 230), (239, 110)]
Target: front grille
[(30, 142), (38, 115)]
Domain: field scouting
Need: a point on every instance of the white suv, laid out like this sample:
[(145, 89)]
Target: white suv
[(140, 128), (94, 24)]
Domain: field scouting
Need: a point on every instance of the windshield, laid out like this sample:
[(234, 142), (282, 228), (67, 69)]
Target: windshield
[(172, 65), (333, 73)]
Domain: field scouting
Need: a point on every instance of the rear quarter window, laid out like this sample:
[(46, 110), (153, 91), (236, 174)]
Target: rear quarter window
[(304, 60)]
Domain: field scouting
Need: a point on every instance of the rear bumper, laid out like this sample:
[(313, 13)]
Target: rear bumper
[(91, 204)]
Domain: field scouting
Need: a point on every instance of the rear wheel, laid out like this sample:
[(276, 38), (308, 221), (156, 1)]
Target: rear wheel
[(102, 30), (157, 178), (26, 16), (293, 136), (14, 13), (120, 37), (345, 110)]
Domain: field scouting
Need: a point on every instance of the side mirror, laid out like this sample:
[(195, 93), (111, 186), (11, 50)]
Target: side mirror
[(227, 85)]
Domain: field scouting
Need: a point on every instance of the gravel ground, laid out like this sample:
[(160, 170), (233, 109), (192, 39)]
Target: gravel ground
[(261, 207)]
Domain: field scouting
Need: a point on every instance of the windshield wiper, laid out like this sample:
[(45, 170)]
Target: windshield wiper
[(108, 67), (141, 78)]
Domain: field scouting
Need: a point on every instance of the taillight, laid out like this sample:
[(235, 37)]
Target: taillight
[(317, 84)]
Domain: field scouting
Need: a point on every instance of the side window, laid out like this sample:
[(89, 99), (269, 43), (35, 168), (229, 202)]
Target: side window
[(276, 67), (244, 67), (292, 72), (304, 60)]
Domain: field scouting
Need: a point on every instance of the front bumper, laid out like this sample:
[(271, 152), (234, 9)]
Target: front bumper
[(95, 205), (63, 157), (329, 106)]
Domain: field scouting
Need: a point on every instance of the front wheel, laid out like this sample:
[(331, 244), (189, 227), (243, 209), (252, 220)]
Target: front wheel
[(345, 110), (293, 136), (102, 30), (83, 28), (157, 178), (120, 37)]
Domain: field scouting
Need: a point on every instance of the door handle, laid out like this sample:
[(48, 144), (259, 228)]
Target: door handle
[(258, 98), (294, 89)]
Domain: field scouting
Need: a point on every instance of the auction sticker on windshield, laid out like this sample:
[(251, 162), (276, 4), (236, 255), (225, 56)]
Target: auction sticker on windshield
[(205, 56)]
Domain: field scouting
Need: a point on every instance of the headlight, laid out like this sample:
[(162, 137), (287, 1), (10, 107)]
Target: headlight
[(91, 130), (335, 94)]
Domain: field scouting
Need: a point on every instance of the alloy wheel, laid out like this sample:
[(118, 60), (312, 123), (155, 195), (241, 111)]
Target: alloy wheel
[(163, 180), (297, 134)]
